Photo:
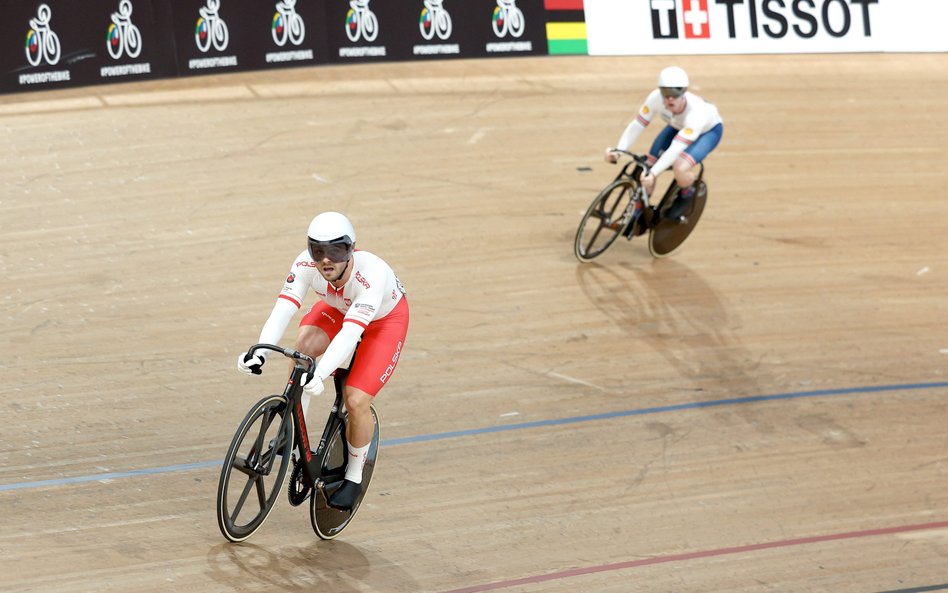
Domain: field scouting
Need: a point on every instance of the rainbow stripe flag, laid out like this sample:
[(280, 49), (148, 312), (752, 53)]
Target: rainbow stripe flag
[(565, 27)]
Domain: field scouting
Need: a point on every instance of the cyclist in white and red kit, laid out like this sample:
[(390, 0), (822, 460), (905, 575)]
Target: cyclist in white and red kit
[(359, 297), (693, 129)]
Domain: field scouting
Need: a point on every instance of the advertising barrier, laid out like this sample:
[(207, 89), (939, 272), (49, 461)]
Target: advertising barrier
[(419, 29), (55, 44), (565, 26), (49, 44), (227, 35), (661, 27)]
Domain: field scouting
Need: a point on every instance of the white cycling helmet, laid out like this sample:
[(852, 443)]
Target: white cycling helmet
[(331, 227), (330, 235), (675, 80)]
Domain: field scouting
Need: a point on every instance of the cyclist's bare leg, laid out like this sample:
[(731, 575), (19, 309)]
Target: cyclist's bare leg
[(359, 432), (361, 424), (685, 177), (311, 341), (684, 173)]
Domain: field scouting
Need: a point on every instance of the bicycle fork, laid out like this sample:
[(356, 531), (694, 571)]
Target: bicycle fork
[(635, 212)]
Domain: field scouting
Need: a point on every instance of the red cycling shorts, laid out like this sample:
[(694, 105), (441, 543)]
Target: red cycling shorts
[(379, 350)]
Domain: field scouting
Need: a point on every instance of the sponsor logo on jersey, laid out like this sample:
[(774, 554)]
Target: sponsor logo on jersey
[(291, 278), (365, 309)]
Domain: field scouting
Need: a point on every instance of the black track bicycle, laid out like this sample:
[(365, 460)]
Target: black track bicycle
[(271, 439), (623, 208)]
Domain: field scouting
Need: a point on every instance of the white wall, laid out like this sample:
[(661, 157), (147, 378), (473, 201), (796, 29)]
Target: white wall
[(677, 27)]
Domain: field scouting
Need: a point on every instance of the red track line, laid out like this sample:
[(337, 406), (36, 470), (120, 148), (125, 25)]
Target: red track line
[(692, 556)]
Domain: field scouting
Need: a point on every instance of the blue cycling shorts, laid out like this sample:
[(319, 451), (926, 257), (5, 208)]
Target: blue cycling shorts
[(697, 151)]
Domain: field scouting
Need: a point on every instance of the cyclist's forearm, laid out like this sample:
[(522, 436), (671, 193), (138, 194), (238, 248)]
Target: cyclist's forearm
[(339, 349)]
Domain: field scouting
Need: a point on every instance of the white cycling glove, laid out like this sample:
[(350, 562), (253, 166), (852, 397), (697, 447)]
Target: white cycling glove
[(314, 385), (250, 365)]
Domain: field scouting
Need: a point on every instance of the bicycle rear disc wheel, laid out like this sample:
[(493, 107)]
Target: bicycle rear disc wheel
[(604, 220), (666, 237), (255, 468), (328, 522)]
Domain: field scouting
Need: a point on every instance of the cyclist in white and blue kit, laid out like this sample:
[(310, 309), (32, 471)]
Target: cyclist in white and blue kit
[(693, 129)]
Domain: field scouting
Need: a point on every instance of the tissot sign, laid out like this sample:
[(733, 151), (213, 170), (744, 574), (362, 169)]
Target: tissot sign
[(764, 26)]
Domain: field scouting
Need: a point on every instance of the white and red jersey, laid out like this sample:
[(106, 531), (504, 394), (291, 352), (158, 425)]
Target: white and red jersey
[(371, 292), (698, 117)]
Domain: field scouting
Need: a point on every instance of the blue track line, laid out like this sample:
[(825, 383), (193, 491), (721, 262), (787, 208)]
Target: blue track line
[(941, 587), (507, 427)]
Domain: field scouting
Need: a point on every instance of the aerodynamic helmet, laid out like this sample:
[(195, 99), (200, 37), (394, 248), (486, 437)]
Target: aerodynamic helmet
[(330, 235), (673, 81)]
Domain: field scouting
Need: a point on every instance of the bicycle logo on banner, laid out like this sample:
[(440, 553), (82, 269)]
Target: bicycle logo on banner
[(41, 41), (434, 19), (507, 19), (361, 21), (123, 35), (287, 24), (211, 28)]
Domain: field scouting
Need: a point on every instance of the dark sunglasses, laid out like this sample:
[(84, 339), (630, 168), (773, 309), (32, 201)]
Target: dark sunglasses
[(672, 91), (334, 252)]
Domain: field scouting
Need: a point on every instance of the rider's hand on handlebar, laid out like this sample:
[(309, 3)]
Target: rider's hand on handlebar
[(250, 365), (648, 182), (313, 385), (611, 156)]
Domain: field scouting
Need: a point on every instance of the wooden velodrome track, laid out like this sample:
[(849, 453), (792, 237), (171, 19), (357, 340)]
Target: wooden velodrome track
[(763, 411)]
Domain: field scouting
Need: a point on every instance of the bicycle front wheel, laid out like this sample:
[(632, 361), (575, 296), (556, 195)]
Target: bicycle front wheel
[(328, 522), (605, 219), (255, 468)]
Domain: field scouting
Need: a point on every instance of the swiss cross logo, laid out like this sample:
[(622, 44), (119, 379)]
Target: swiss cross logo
[(695, 19), (695, 15)]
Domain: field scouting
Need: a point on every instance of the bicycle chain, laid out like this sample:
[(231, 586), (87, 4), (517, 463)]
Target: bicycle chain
[(297, 491)]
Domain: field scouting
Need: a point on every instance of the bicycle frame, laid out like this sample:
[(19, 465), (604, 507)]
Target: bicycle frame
[(639, 165), (312, 460), (634, 174)]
